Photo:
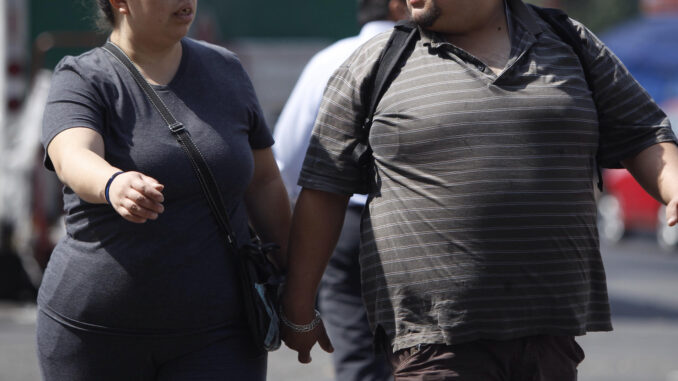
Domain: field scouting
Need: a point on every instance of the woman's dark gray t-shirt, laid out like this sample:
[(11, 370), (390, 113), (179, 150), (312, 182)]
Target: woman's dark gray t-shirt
[(172, 274)]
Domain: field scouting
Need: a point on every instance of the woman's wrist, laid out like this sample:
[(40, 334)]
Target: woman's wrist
[(107, 188)]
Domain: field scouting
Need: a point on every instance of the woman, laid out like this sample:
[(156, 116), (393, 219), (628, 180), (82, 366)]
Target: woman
[(143, 287)]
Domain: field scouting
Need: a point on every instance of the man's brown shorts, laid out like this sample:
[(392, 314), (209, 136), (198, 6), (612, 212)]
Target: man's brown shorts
[(533, 358)]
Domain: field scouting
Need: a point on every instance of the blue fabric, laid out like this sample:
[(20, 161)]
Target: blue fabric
[(648, 47), (270, 342)]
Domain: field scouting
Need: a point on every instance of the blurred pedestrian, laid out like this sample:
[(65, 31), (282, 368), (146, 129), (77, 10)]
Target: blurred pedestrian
[(479, 253), (143, 287), (339, 296)]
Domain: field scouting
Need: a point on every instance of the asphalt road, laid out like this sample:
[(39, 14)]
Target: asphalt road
[(643, 287)]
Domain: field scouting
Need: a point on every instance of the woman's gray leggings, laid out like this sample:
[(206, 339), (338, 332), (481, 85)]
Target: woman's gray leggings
[(68, 354)]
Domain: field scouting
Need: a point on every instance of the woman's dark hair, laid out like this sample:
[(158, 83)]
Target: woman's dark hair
[(106, 17)]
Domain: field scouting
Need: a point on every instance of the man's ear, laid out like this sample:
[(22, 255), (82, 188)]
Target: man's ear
[(120, 6)]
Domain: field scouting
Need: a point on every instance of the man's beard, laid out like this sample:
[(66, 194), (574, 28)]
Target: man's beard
[(429, 17)]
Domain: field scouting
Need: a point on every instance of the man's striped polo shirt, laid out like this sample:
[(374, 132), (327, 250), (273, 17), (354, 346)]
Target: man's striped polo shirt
[(482, 221)]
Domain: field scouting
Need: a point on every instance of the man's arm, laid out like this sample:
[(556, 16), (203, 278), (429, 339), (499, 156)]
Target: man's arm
[(316, 225), (656, 170)]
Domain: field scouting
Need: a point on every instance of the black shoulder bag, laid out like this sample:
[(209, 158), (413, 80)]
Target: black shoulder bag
[(261, 280)]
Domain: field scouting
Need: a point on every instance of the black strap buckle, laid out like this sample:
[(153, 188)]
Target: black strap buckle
[(176, 127)]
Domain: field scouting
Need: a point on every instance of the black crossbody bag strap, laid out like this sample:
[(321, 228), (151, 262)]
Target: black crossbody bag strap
[(200, 167), (404, 34)]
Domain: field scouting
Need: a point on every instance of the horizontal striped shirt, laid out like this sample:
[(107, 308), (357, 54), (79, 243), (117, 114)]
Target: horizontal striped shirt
[(481, 223)]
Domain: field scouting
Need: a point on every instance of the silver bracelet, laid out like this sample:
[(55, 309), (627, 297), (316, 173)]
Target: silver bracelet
[(301, 327)]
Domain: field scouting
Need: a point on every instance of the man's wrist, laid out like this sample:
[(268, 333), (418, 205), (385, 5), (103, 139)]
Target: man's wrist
[(300, 328)]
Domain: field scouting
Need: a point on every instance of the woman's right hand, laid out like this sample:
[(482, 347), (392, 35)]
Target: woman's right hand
[(136, 197)]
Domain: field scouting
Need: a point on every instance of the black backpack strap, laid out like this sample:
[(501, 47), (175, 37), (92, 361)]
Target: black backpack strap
[(559, 21), (401, 42), (404, 34)]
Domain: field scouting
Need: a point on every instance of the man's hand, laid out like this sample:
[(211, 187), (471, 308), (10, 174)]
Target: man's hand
[(302, 342)]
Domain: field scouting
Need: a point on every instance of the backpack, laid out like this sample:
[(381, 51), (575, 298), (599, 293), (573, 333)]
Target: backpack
[(400, 46)]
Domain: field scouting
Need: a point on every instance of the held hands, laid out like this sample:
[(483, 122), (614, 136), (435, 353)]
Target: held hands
[(302, 337), (136, 197)]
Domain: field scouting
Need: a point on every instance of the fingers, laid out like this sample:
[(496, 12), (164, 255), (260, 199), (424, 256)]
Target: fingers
[(672, 213), (304, 357), (136, 197), (324, 340), (149, 187), (303, 342)]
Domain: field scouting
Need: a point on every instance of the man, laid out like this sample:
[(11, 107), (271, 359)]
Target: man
[(479, 254), (339, 297)]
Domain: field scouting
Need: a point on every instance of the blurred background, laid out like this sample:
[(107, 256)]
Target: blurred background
[(274, 40)]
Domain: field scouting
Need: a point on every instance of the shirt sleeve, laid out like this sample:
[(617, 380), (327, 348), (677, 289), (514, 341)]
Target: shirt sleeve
[(293, 129), (331, 162), (630, 120), (73, 101), (259, 134)]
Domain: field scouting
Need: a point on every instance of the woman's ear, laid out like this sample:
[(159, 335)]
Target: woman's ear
[(120, 6)]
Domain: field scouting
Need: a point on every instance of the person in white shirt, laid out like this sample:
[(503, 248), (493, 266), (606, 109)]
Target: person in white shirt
[(339, 296)]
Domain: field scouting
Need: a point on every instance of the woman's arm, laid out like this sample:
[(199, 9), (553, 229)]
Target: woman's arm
[(78, 158), (267, 202)]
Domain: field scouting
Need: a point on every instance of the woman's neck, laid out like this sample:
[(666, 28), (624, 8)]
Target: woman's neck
[(158, 63)]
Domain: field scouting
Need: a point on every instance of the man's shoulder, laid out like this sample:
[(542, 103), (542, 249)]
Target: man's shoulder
[(343, 49), (363, 58), (374, 45)]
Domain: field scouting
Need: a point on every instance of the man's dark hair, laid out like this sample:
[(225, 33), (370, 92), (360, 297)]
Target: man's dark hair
[(372, 10)]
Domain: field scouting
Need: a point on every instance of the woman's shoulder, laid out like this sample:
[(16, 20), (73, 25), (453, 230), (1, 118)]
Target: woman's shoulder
[(206, 50), (90, 62)]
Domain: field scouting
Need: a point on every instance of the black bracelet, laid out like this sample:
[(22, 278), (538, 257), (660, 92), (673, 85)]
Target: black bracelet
[(108, 185)]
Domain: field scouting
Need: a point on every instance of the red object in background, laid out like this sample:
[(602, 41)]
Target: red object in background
[(659, 6), (638, 209), (624, 206)]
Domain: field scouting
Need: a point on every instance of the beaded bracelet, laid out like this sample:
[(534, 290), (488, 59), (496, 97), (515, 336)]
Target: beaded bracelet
[(108, 185), (303, 327)]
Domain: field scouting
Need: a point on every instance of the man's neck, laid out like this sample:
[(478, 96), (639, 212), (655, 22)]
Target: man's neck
[(490, 42)]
